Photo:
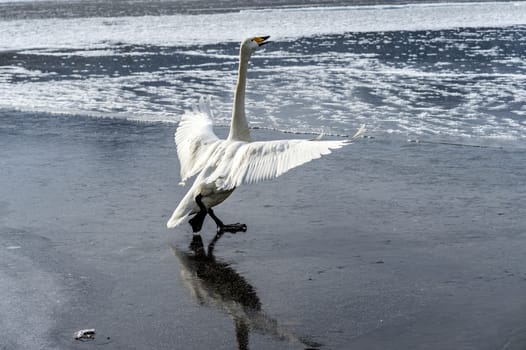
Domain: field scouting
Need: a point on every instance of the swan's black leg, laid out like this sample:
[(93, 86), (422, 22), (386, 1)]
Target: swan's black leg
[(200, 202), (218, 221), (197, 221)]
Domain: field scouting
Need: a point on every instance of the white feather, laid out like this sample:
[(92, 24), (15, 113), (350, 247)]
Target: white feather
[(259, 161), (223, 165), (195, 140)]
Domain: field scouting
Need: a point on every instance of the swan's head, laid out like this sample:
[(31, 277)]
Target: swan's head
[(250, 45)]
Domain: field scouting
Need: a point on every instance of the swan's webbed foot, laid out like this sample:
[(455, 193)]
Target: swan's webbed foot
[(222, 228), (233, 228)]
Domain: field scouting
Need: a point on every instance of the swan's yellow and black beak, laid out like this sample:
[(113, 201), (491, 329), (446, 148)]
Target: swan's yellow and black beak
[(260, 40)]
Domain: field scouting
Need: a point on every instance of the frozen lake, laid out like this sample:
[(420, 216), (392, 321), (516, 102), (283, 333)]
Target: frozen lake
[(416, 236)]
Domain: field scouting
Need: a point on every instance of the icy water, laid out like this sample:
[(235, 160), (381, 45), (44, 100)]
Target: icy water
[(454, 71)]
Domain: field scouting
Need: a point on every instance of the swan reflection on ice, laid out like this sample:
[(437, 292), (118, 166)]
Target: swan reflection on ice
[(214, 283)]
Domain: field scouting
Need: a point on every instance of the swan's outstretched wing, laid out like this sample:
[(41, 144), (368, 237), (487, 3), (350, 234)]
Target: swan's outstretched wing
[(259, 161), (194, 138)]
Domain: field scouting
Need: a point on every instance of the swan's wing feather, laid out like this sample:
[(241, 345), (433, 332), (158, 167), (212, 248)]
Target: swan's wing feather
[(194, 139), (259, 161)]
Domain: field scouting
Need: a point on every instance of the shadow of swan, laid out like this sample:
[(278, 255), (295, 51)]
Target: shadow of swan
[(214, 283)]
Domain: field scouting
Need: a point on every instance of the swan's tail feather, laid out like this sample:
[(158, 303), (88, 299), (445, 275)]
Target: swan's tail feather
[(182, 211), (175, 220)]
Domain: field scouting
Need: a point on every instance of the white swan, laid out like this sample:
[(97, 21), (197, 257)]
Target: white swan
[(222, 165)]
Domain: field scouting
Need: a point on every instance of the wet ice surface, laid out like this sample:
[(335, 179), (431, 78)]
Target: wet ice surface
[(450, 71), (409, 245)]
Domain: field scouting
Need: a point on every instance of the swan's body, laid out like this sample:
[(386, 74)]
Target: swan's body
[(222, 165)]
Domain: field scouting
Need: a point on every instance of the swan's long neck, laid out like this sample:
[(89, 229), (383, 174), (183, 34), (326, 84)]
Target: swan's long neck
[(239, 125)]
